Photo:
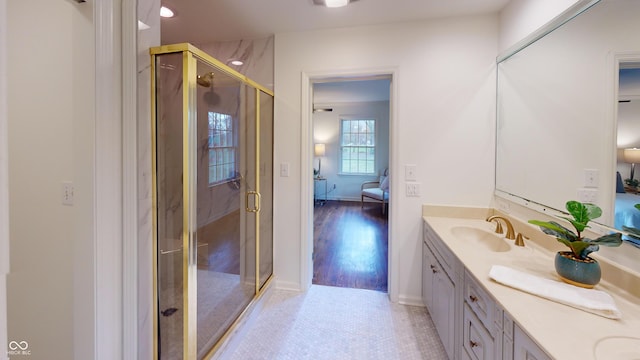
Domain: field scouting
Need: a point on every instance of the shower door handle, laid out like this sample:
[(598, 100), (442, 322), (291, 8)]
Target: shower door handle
[(256, 203)]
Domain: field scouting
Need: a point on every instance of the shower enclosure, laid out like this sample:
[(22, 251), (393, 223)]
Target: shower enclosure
[(212, 177)]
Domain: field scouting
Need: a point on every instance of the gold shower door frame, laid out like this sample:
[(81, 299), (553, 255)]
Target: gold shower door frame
[(190, 56)]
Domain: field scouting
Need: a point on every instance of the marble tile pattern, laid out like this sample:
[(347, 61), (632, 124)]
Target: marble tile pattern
[(339, 323), (149, 13), (256, 54)]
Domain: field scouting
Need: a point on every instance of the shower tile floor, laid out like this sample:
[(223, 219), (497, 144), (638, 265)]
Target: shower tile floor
[(339, 323)]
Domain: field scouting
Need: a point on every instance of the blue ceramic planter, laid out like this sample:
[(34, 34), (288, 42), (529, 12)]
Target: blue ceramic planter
[(583, 273)]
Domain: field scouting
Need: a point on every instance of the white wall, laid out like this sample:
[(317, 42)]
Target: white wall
[(51, 71), (522, 17), (326, 129), (4, 181), (442, 121)]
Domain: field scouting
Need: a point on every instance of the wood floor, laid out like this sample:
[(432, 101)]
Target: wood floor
[(350, 245)]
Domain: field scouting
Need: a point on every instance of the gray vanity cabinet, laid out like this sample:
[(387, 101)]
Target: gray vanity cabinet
[(525, 348), (470, 323), (441, 290)]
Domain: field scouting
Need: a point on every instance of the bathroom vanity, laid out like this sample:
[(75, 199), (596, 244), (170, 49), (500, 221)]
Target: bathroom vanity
[(478, 318)]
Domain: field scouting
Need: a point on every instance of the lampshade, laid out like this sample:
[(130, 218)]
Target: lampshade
[(318, 150), (631, 156)]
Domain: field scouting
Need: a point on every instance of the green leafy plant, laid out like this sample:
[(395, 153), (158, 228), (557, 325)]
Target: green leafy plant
[(580, 246), (633, 232), (631, 182)]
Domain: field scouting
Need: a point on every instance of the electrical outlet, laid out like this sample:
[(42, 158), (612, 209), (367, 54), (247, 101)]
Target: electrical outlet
[(504, 206), (410, 172), (284, 170), (67, 193), (413, 189), (591, 178)]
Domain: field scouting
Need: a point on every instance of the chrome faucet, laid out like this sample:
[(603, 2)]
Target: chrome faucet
[(510, 233)]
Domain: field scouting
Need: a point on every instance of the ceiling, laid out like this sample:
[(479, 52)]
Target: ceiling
[(206, 21)]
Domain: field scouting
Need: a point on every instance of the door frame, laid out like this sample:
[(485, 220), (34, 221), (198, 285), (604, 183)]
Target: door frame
[(306, 142), (4, 180)]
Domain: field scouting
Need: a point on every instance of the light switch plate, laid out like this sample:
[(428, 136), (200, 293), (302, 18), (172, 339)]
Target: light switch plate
[(587, 195), (413, 189)]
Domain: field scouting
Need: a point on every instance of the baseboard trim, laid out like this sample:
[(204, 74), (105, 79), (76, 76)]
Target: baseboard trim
[(410, 300), (288, 285)]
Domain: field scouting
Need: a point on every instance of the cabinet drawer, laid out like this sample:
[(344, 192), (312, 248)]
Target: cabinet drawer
[(476, 339), (442, 253), (479, 301)]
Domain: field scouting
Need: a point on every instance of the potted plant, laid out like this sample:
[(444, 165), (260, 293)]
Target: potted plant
[(633, 233), (576, 266), (631, 182)]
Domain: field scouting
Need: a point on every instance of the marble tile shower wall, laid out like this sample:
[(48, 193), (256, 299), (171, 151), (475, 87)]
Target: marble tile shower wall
[(257, 56), (149, 13), (258, 64)]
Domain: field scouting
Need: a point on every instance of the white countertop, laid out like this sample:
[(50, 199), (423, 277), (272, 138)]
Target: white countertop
[(562, 331)]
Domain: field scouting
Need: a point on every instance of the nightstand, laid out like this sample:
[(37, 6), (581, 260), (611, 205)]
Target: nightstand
[(317, 183)]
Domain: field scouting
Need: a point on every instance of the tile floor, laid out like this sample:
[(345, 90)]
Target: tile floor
[(339, 323)]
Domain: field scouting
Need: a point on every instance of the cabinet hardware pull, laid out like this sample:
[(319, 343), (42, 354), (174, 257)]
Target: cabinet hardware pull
[(432, 267), (434, 271), (473, 298), (473, 343)]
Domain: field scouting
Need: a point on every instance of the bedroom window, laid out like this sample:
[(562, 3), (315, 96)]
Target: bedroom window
[(222, 149), (357, 146)]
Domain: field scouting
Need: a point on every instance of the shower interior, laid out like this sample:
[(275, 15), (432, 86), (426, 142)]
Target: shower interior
[(213, 180)]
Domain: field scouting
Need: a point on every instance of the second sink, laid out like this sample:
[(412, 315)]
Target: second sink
[(482, 237)]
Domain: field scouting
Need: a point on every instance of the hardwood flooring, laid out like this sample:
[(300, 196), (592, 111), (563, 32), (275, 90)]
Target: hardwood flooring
[(350, 245), (223, 239)]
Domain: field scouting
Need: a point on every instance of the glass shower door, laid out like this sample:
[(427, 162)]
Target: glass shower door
[(265, 141), (226, 174), (213, 170), (170, 207)]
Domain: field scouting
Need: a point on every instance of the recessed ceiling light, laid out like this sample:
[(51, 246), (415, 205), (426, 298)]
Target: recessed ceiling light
[(236, 62), (336, 3), (332, 3), (165, 12)]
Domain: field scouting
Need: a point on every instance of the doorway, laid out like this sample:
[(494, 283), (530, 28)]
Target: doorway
[(351, 150), (627, 143)]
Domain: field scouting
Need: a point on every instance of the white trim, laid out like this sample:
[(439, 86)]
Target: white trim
[(129, 179), (306, 184), (108, 182), (306, 193), (4, 181)]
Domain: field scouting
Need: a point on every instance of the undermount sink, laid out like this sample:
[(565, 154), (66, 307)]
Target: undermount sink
[(476, 236), (617, 347)]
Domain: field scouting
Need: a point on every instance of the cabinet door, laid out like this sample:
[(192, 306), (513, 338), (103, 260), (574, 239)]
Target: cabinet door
[(444, 309), (428, 268), (524, 348)]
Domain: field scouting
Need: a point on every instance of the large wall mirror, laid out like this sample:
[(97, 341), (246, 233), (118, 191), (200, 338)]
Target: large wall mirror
[(568, 104)]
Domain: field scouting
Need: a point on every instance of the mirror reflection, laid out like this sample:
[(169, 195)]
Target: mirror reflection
[(561, 132), (628, 145)]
